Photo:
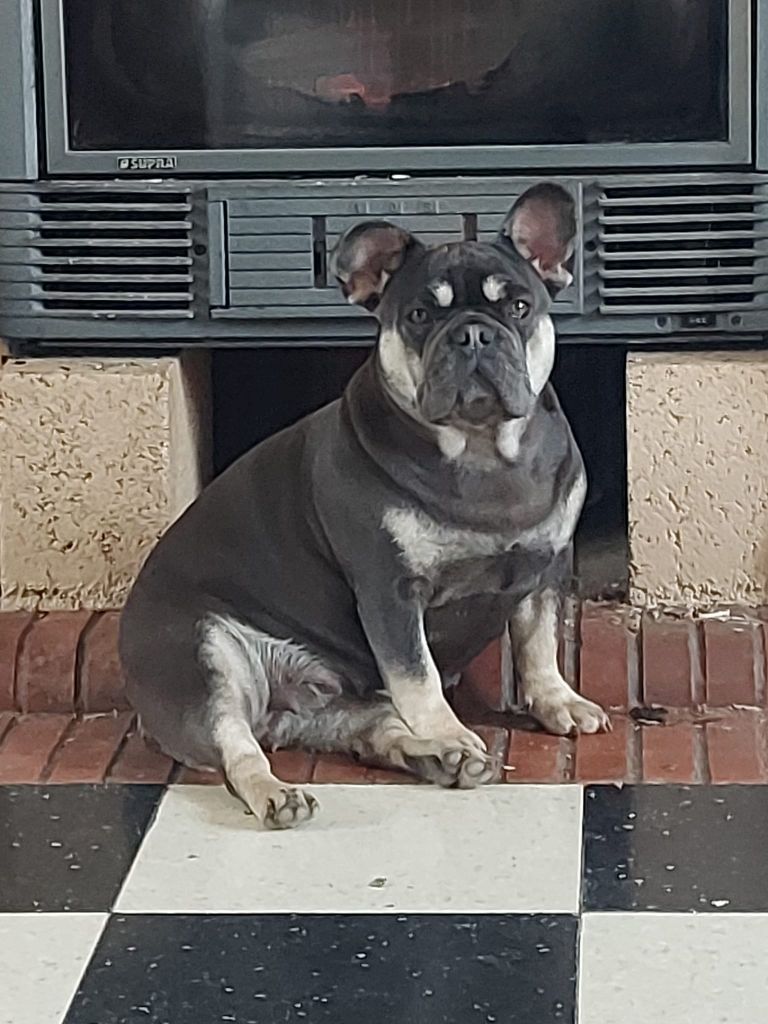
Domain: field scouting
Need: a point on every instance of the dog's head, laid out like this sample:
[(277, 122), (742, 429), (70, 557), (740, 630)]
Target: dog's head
[(466, 336)]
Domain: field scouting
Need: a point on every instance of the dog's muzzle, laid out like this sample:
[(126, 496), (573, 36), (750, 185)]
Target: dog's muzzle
[(475, 369)]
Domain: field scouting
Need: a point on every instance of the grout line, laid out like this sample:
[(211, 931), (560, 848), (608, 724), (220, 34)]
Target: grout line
[(48, 766), (635, 668), (702, 774), (697, 657), (634, 753), (17, 661), (9, 725), (77, 697), (131, 728), (760, 657), (566, 760)]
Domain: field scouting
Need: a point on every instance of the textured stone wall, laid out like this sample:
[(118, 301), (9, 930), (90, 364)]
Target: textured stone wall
[(97, 458), (698, 478)]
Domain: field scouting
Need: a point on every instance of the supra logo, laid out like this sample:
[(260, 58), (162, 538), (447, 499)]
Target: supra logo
[(146, 163)]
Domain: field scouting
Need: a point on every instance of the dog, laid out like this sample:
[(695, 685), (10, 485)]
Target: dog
[(330, 584)]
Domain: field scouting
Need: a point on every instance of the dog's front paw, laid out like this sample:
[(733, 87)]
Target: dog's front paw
[(563, 712), (277, 806)]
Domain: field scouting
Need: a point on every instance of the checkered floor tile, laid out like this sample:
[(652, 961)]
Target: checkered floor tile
[(529, 904)]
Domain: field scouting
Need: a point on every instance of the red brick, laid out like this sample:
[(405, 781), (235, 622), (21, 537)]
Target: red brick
[(731, 650), (292, 765), (667, 667), (89, 749), (6, 720), (606, 646), (384, 777), (483, 678), (603, 757), (497, 742), (335, 768), (668, 753), (198, 777), (45, 677), (101, 678), (734, 747), (139, 761), (536, 757), (12, 628), (27, 748)]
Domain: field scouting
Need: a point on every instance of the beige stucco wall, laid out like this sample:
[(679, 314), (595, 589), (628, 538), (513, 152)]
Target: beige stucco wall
[(698, 478), (97, 458)]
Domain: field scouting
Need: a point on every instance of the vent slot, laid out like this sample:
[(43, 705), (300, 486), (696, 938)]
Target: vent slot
[(114, 254), (674, 248)]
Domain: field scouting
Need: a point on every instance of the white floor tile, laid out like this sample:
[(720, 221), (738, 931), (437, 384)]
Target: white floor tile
[(371, 849), (676, 968), (42, 958)]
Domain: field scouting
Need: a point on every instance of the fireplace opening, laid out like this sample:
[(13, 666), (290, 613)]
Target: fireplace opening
[(258, 392), (234, 74)]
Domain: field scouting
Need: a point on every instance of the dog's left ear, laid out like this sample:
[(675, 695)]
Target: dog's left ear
[(542, 228), (366, 257)]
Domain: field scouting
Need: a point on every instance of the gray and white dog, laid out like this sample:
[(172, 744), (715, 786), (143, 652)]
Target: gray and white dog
[(325, 589)]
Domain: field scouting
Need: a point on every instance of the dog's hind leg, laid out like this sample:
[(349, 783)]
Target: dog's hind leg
[(374, 732), (236, 659)]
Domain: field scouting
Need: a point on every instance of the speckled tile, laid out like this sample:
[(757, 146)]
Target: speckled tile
[(346, 969), (42, 958), (68, 848), (679, 968), (676, 848), (500, 849)]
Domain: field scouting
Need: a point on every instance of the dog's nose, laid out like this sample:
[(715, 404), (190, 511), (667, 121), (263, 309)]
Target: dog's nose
[(475, 337)]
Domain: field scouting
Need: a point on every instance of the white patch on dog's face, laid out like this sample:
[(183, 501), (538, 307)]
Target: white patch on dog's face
[(540, 354), (400, 366), (443, 293), (494, 288)]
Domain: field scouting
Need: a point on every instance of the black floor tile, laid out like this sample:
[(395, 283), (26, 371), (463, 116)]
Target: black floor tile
[(347, 969), (69, 847), (676, 848)]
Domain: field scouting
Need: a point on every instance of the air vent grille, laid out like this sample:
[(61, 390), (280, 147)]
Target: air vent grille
[(682, 248), (114, 254)]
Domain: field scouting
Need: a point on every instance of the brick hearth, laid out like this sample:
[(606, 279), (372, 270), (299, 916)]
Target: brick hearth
[(64, 718)]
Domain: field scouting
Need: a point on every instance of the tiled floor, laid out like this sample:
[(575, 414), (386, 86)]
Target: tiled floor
[(529, 904)]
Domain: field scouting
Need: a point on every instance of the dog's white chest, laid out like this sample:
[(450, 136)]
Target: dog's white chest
[(428, 547)]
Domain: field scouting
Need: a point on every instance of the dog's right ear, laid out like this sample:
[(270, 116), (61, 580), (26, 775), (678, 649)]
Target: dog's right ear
[(366, 257)]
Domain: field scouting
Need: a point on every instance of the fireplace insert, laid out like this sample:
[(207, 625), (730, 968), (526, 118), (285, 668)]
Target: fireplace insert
[(177, 171)]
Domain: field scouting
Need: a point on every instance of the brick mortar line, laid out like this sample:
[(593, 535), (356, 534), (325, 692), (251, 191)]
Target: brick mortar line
[(702, 772), (20, 645), (133, 727), (6, 730), (47, 768), (634, 668), (77, 697), (634, 753), (759, 660), (698, 656)]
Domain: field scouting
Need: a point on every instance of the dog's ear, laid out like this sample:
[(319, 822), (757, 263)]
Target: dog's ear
[(542, 227), (366, 257)]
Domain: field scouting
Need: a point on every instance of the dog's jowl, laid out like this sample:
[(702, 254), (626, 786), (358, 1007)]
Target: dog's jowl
[(325, 589)]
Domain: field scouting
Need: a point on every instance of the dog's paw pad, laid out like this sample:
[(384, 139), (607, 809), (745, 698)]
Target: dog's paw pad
[(287, 808)]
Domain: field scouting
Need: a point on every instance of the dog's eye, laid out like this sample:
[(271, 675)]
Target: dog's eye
[(520, 308), (418, 315)]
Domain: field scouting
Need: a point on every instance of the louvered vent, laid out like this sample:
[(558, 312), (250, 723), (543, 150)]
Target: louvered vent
[(683, 248), (115, 254)]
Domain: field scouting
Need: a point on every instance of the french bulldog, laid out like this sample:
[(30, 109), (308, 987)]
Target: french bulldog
[(327, 587)]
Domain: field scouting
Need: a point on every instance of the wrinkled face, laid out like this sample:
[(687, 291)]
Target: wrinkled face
[(466, 338), (465, 335)]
